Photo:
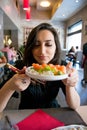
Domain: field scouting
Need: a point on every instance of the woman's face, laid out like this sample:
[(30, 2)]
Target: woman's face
[(45, 47)]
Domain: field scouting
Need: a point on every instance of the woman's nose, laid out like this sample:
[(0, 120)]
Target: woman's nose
[(42, 49)]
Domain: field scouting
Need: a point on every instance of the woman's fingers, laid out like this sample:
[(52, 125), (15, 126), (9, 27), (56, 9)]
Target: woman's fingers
[(69, 65), (72, 76), (21, 82), (22, 71)]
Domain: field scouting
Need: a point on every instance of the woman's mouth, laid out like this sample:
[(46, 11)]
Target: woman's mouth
[(42, 57)]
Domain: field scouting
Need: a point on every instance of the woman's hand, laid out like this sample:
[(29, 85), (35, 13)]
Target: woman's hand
[(72, 96), (72, 79), (19, 82), (22, 71)]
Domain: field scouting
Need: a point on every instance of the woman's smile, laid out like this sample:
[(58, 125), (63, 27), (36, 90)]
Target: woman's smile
[(42, 57)]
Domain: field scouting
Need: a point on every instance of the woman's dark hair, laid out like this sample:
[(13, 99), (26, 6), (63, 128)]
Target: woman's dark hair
[(28, 57)]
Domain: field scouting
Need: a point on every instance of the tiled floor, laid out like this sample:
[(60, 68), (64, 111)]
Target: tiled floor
[(82, 90)]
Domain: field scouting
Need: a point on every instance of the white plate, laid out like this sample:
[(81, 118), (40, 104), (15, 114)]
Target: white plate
[(71, 127), (45, 77)]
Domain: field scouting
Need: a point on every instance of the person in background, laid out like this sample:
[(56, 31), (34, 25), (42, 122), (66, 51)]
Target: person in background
[(6, 50), (2, 58), (71, 54), (9, 52), (13, 54), (72, 49), (42, 47), (84, 54), (77, 48)]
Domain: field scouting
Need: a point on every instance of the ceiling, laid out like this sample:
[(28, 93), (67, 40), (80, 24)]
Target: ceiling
[(66, 9)]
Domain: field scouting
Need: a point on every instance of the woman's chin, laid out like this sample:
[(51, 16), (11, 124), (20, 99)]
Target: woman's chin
[(43, 62)]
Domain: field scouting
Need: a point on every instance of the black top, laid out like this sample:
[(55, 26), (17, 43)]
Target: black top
[(40, 96)]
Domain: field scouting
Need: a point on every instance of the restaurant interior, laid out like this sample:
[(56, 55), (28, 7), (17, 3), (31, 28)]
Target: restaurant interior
[(69, 18)]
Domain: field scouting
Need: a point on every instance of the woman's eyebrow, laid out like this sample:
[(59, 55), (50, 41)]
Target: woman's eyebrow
[(49, 40), (46, 40)]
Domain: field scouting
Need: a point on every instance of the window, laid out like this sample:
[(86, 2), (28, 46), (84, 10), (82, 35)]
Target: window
[(74, 35)]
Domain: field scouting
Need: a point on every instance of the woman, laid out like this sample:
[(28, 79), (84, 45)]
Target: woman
[(42, 47), (14, 54)]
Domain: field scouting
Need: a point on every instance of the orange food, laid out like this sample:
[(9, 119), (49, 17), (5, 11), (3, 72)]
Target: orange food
[(63, 69), (36, 66), (44, 65), (56, 69)]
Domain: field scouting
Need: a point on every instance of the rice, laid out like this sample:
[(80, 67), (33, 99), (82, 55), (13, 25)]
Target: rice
[(46, 73)]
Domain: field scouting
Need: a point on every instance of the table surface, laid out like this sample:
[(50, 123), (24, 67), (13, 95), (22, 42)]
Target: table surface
[(66, 115), (82, 111)]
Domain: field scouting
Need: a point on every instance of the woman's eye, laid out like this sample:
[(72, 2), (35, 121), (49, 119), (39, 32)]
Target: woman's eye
[(48, 44)]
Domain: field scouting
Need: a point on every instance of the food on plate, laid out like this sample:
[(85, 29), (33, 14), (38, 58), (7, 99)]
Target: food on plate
[(48, 69), (71, 127)]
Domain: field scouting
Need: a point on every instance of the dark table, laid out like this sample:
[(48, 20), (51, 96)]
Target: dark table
[(66, 115)]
